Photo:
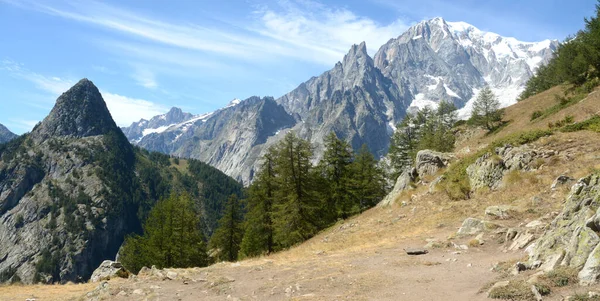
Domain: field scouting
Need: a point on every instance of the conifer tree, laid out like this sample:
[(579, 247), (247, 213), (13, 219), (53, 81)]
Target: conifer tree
[(486, 109), (228, 236), (403, 146), (296, 207), (258, 235), (335, 168), (367, 183), (172, 237)]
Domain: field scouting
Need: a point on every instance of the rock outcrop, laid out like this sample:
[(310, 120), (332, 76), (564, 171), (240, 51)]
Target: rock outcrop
[(489, 169), (572, 238), (428, 162), (404, 182), (109, 269)]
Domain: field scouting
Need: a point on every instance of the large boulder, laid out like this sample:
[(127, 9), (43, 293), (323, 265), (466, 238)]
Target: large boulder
[(109, 269), (572, 238), (429, 162), (404, 182), (472, 226)]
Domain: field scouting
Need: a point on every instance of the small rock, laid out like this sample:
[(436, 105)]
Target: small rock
[(171, 275), (561, 180), (499, 212), (416, 251), (122, 293), (138, 291)]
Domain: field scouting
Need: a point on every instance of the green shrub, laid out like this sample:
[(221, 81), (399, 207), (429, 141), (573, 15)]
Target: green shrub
[(515, 290), (592, 124), (562, 276), (536, 114)]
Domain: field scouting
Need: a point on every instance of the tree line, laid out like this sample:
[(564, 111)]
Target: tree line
[(290, 200)]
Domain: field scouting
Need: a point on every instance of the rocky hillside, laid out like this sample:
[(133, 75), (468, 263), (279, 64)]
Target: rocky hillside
[(361, 99), (74, 187), (5, 134)]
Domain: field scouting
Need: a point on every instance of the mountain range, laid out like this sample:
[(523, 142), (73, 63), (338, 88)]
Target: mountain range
[(361, 99)]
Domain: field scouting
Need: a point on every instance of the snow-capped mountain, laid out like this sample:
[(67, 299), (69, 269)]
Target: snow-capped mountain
[(360, 98), (437, 60)]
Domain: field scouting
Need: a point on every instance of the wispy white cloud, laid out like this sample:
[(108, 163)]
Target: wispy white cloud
[(126, 110), (123, 109), (323, 31), (145, 77), (301, 30)]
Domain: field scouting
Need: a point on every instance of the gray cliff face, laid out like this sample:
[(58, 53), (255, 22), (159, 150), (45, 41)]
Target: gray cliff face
[(136, 130), (353, 99), (6, 135), (361, 99), (54, 206)]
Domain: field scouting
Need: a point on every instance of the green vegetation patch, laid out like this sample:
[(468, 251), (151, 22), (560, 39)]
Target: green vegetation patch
[(591, 124), (515, 290)]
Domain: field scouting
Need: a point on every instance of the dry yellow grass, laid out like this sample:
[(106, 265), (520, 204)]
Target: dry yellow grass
[(45, 292)]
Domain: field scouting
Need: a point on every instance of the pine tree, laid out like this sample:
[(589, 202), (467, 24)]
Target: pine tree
[(296, 206), (367, 183), (486, 109), (335, 169), (172, 237), (403, 146), (258, 235), (228, 236)]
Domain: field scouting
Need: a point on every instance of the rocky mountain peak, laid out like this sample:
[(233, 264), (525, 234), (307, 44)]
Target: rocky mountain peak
[(357, 57), (79, 112), (5, 134)]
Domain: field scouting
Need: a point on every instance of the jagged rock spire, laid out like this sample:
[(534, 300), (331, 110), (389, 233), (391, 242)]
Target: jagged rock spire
[(79, 112)]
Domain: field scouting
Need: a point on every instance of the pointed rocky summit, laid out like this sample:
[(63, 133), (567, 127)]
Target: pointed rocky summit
[(79, 112)]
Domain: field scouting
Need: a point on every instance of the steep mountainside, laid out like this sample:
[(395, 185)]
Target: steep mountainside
[(353, 99), (361, 99), (74, 187), (5, 134), (437, 60)]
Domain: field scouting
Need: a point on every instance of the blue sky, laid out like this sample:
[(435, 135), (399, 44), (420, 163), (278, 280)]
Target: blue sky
[(147, 56)]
